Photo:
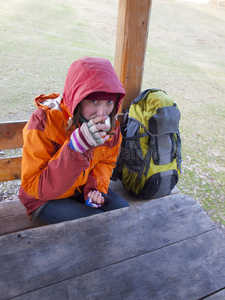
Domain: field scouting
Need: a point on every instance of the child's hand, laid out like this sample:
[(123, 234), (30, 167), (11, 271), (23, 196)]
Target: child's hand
[(89, 135), (95, 199), (102, 123)]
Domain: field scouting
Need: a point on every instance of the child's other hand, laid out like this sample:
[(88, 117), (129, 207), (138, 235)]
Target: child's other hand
[(100, 123), (97, 129), (96, 197)]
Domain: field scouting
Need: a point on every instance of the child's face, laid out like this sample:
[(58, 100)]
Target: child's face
[(96, 108)]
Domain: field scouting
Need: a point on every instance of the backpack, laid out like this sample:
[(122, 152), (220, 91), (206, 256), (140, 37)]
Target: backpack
[(149, 163)]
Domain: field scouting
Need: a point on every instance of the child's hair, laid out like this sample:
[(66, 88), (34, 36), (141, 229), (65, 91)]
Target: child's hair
[(74, 121)]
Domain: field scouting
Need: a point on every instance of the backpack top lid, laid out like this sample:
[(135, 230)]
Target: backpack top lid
[(156, 111)]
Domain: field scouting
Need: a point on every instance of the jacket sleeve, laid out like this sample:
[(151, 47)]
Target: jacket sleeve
[(99, 177), (46, 173)]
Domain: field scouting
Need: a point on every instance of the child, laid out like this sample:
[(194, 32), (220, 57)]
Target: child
[(69, 151)]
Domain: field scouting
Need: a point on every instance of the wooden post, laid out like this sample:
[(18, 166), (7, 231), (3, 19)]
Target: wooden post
[(131, 41)]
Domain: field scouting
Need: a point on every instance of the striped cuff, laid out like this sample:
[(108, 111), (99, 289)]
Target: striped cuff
[(81, 139)]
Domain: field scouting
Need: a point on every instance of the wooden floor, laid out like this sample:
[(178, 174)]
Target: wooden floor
[(161, 249)]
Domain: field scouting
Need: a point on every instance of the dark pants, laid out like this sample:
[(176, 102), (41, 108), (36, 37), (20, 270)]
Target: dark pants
[(56, 211)]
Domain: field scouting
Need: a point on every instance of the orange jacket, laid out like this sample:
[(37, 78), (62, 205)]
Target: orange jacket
[(50, 168)]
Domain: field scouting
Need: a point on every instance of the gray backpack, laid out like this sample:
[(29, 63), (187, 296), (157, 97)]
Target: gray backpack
[(149, 163)]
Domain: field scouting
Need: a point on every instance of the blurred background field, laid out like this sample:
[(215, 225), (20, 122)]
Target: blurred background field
[(185, 57)]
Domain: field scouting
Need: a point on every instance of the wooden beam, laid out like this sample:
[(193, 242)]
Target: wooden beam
[(10, 168), (131, 41), (11, 134), (13, 218)]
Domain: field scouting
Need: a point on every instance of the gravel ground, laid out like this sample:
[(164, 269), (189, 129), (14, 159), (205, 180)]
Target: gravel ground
[(9, 189)]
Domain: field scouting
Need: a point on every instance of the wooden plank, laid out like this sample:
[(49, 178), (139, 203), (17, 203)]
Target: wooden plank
[(131, 41), (13, 214), (218, 295), (11, 134), (10, 168), (13, 218), (190, 269), (118, 187), (44, 256)]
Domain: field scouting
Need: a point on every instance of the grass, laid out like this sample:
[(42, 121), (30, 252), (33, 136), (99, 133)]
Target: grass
[(184, 56), (196, 81), (39, 42)]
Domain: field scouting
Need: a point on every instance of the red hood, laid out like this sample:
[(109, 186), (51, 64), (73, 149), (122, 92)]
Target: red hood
[(88, 75)]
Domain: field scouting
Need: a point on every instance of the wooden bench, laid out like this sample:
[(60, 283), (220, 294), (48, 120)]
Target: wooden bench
[(161, 249), (12, 213), (11, 138)]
